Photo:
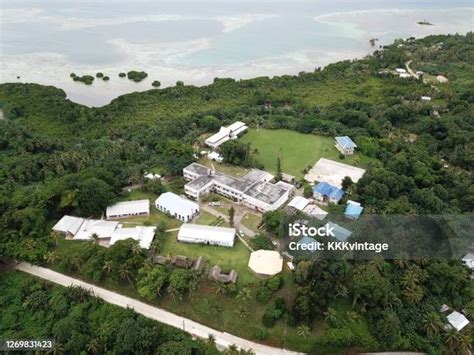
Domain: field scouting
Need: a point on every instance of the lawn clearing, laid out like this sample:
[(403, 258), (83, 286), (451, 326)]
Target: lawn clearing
[(251, 221), (296, 150), (236, 257), (156, 217)]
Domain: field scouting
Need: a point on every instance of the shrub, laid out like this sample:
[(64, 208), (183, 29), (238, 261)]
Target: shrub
[(122, 75), (106, 78), (99, 75), (72, 75), (156, 84), (179, 83), (261, 241)]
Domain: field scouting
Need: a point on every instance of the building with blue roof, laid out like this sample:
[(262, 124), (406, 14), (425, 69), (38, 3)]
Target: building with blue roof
[(340, 233), (353, 210), (325, 192), (309, 244), (345, 145)]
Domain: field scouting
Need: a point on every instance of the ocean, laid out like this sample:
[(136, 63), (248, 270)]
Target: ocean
[(196, 41)]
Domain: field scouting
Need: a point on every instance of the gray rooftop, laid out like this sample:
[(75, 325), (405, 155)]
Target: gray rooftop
[(198, 169), (201, 181), (266, 192)]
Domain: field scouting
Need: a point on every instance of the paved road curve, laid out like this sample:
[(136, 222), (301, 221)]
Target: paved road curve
[(223, 340)]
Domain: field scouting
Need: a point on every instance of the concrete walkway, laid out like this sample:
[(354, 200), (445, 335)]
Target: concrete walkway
[(223, 340), (412, 73)]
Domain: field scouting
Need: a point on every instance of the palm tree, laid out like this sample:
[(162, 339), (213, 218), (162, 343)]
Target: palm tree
[(242, 311), (432, 324), (93, 346), (30, 244), (220, 287), (353, 316), (108, 266), (303, 331), (244, 295), (211, 340), (402, 261), (451, 340), (52, 257), (95, 239), (56, 236), (413, 294), (232, 349), (124, 273), (57, 348), (136, 249), (331, 316)]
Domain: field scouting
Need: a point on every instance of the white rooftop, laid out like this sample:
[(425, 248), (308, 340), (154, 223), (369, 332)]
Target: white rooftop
[(234, 129), (176, 202), (457, 320), (68, 224), (468, 259), (129, 208), (299, 203), (144, 235), (210, 233), (315, 211), (266, 262), (103, 229)]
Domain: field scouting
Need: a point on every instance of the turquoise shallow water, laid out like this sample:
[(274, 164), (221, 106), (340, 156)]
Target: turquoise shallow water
[(195, 41)]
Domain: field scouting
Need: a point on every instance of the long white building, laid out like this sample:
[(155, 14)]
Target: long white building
[(195, 233), (128, 209), (253, 190), (108, 232), (177, 206), (225, 134)]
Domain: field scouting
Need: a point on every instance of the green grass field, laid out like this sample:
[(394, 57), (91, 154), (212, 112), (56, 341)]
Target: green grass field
[(296, 150), (236, 257), (252, 221)]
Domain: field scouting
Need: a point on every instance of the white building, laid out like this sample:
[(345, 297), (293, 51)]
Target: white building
[(405, 75), (177, 206), (400, 70), (468, 260), (195, 233), (216, 157), (68, 225), (457, 320), (128, 209), (225, 134), (108, 232), (252, 190), (299, 203), (84, 228), (345, 145), (315, 212), (426, 98), (144, 235)]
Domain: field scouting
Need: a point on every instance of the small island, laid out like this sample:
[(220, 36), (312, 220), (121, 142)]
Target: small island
[(425, 23), (136, 76), (86, 79)]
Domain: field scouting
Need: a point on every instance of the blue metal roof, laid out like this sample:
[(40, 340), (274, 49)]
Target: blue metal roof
[(353, 210), (345, 142), (328, 190), (340, 233), (307, 241)]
